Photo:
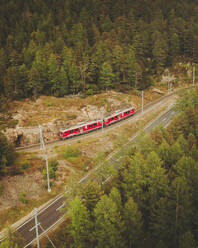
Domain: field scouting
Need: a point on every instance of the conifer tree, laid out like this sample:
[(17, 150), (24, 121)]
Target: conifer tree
[(81, 227), (133, 223), (108, 223), (106, 78)]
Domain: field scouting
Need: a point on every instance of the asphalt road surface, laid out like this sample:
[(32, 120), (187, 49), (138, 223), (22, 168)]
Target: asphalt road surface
[(51, 215)]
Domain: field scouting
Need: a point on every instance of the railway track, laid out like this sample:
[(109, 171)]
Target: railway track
[(49, 215), (51, 208), (58, 142)]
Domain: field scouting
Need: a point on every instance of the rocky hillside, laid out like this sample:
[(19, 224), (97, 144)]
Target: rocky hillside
[(55, 113)]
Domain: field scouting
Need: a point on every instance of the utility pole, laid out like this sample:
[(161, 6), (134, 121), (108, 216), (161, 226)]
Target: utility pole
[(47, 236), (46, 158), (36, 226), (193, 76), (47, 169), (142, 101), (41, 138)]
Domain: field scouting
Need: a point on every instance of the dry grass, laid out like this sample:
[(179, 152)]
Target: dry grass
[(130, 129), (80, 164), (87, 147), (68, 108)]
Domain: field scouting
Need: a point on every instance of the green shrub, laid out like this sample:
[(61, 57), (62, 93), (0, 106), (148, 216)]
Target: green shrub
[(53, 165), (7, 153), (71, 152), (25, 165), (23, 198)]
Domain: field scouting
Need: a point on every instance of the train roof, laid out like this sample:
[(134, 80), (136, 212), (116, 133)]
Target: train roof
[(81, 124), (119, 112)]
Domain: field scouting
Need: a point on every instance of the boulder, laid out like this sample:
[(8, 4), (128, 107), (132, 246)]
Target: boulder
[(157, 91)]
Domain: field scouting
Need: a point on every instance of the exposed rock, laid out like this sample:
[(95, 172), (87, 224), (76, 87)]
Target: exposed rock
[(154, 90), (91, 112), (70, 115), (14, 135), (189, 73)]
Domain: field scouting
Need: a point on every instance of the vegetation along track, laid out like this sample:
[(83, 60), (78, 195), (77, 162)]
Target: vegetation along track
[(57, 142)]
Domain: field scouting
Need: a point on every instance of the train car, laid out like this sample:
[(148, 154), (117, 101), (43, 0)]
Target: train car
[(70, 132), (119, 115), (80, 129), (93, 125)]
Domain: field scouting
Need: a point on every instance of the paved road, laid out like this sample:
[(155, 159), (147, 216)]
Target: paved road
[(51, 215)]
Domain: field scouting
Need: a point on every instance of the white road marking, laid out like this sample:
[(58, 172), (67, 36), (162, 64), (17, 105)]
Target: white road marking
[(33, 227), (47, 206), (41, 234), (60, 207)]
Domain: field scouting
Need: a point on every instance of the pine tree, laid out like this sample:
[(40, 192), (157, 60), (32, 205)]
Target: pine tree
[(91, 194), (80, 227), (108, 224), (160, 49), (133, 223), (106, 78), (187, 241)]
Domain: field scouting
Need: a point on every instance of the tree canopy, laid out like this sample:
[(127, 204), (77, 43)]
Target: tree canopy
[(153, 200), (66, 47)]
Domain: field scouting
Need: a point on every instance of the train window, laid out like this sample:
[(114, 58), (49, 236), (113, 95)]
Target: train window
[(89, 126), (95, 124), (65, 132), (77, 129), (71, 131), (126, 113)]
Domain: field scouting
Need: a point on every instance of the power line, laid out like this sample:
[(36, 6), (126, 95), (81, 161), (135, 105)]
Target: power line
[(36, 227), (41, 138), (47, 169), (46, 158)]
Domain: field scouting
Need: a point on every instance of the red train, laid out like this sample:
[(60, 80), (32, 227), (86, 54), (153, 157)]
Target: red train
[(82, 128)]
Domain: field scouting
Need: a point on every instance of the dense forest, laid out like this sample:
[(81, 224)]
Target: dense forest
[(69, 46), (152, 200)]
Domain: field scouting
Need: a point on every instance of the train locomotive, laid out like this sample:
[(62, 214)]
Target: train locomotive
[(82, 128)]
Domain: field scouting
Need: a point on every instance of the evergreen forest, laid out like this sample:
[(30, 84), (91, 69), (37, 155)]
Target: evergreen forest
[(60, 47), (152, 199)]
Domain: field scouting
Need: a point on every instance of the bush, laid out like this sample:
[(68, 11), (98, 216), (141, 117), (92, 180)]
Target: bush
[(71, 152), (25, 165), (7, 154), (23, 198), (53, 165)]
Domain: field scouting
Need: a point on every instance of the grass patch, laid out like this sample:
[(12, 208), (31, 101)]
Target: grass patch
[(52, 166), (13, 214), (26, 165), (77, 155), (129, 130), (23, 198), (27, 162), (71, 152)]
